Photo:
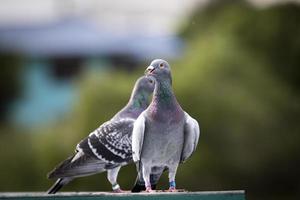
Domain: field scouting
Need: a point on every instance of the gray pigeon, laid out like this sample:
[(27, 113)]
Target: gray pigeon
[(109, 146), (164, 135)]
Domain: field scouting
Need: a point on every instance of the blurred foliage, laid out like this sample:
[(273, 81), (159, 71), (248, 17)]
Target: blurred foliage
[(239, 77), (9, 81)]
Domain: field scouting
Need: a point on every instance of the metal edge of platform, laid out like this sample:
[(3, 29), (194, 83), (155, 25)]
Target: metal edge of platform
[(89, 194)]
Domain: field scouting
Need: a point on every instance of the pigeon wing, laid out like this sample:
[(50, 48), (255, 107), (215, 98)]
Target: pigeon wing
[(138, 137), (191, 137), (110, 143)]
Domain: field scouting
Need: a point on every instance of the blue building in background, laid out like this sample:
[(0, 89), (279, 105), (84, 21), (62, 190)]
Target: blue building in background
[(44, 96), (55, 53)]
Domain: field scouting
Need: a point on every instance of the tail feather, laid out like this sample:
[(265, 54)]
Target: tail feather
[(56, 186), (139, 184), (138, 188), (75, 166), (59, 167), (82, 166)]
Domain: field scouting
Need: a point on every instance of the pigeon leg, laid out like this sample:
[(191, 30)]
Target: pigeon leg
[(146, 176), (156, 173), (172, 174), (112, 175)]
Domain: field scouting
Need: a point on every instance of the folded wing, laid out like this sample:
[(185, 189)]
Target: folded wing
[(191, 137), (138, 137), (105, 148)]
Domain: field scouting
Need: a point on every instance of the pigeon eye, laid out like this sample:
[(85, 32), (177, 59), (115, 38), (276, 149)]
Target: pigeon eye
[(161, 65), (151, 81)]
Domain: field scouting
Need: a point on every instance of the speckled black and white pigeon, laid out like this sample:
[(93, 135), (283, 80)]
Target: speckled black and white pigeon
[(163, 135), (109, 146)]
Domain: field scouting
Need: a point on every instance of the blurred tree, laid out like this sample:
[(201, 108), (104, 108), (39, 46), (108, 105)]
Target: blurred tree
[(244, 62), (9, 81), (64, 68)]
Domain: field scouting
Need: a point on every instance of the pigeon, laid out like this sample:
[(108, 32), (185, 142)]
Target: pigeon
[(108, 148), (164, 135)]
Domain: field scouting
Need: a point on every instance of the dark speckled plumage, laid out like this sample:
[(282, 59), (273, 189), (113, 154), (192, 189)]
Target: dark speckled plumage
[(109, 146)]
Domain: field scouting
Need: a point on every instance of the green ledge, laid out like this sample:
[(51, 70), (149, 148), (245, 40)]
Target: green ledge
[(212, 195)]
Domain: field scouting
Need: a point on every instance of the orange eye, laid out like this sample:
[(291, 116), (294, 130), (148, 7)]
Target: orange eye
[(161, 64)]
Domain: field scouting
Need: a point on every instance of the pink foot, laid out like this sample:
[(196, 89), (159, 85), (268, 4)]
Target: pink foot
[(118, 191), (149, 190)]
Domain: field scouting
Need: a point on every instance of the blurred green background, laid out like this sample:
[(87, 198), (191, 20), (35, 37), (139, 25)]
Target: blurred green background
[(238, 74)]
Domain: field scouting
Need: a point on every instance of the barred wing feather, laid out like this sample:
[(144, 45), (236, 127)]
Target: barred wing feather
[(111, 142)]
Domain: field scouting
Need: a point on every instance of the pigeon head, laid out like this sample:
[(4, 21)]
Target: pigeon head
[(159, 69), (145, 85), (141, 93), (139, 99)]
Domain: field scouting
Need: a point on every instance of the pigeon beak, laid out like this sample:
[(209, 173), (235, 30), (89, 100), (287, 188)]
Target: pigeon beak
[(149, 69)]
